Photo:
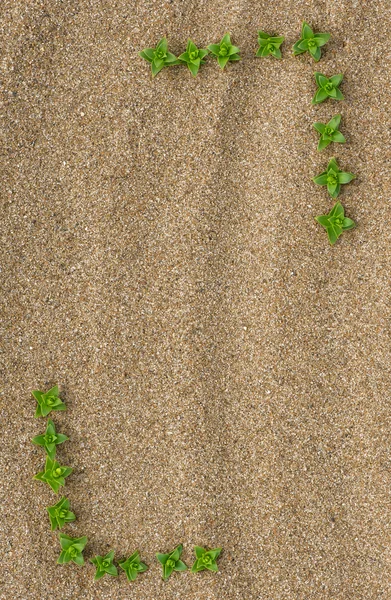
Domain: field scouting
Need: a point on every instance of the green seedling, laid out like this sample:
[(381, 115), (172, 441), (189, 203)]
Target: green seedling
[(54, 475), (59, 514), (329, 132), (133, 566), (269, 45), (310, 42), (171, 562), (327, 88), (159, 57), (335, 223), (205, 559), (333, 178), (47, 402), (193, 57), (104, 565), (224, 51), (50, 439), (72, 549)]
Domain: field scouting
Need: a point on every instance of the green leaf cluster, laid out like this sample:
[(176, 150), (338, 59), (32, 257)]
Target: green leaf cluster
[(159, 57), (59, 514), (335, 222), (171, 562), (206, 559), (269, 45), (327, 88), (333, 178), (72, 549), (48, 401), (54, 474), (104, 565), (50, 439), (133, 566), (329, 132), (224, 51), (310, 42), (193, 57)]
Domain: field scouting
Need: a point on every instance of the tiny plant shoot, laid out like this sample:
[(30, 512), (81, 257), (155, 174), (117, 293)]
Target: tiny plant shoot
[(193, 57), (50, 439), (133, 566), (333, 178), (171, 562), (104, 564), (329, 132), (225, 51), (59, 514), (205, 559), (54, 475), (269, 45), (310, 42), (47, 402), (327, 88), (72, 549), (159, 57), (335, 223)]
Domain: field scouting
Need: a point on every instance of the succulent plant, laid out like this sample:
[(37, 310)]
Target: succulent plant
[(54, 474), (159, 57), (193, 57), (59, 514), (327, 88), (72, 549), (104, 565), (310, 42), (269, 45), (333, 178), (205, 559), (171, 562), (329, 132), (133, 566), (47, 401), (335, 222), (224, 51), (50, 439)]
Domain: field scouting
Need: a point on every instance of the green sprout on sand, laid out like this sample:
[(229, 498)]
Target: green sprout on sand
[(50, 439), (333, 178), (327, 88), (269, 45), (205, 559), (54, 474), (48, 401), (104, 565), (72, 549), (193, 57), (335, 223), (59, 514), (310, 42), (171, 562), (329, 132), (133, 566), (159, 57), (224, 51)]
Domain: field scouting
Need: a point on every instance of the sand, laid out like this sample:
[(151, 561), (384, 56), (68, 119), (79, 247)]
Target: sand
[(227, 373)]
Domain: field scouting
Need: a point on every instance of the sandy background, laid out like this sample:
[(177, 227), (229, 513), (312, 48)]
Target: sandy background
[(227, 373)]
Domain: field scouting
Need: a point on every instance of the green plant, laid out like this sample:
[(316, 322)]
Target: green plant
[(333, 178), (104, 564), (205, 559), (133, 566), (335, 222), (54, 475), (47, 401), (171, 562), (193, 57), (329, 132), (159, 57), (224, 51), (310, 42), (50, 439), (327, 88), (59, 514), (72, 549), (269, 45)]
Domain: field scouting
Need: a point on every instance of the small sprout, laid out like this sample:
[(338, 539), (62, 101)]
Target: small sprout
[(333, 178), (104, 564), (54, 475), (335, 222), (50, 439), (133, 566), (48, 401), (327, 88), (171, 562), (206, 559), (59, 514), (159, 57), (225, 51), (310, 42), (329, 132), (269, 45), (193, 57), (72, 549)]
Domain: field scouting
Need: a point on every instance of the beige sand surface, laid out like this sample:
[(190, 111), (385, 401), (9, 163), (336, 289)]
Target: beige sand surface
[(227, 373)]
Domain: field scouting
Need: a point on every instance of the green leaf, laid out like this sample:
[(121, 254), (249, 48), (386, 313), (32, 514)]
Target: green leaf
[(333, 189), (162, 45), (339, 95), (276, 52), (333, 235), (337, 211), (193, 68), (303, 45), (338, 137), (212, 567), (315, 53), (199, 551), (319, 97), (170, 59), (336, 80), (296, 49), (321, 179), (112, 570), (323, 220), (320, 127), (332, 93), (180, 566), (147, 54), (334, 122), (345, 177), (306, 31), (323, 143), (214, 49), (320, 79), (222, 60), (167, 570), (348, 224), (321, 38), (233, 50), (157, 66), (162, 558), (226, 39)]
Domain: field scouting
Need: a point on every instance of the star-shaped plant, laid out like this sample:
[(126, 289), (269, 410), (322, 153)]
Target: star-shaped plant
[(329, 132), (171, 562), (335, 222), (133, 566), (333, 178), (48, 401), (72, 549), (104, 564), (310, 42), (206, 559), (50, 439), (269, 45), (54, 474), (193, 57), (159, 57), (59, 514), (327, 88), (225, 51)]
